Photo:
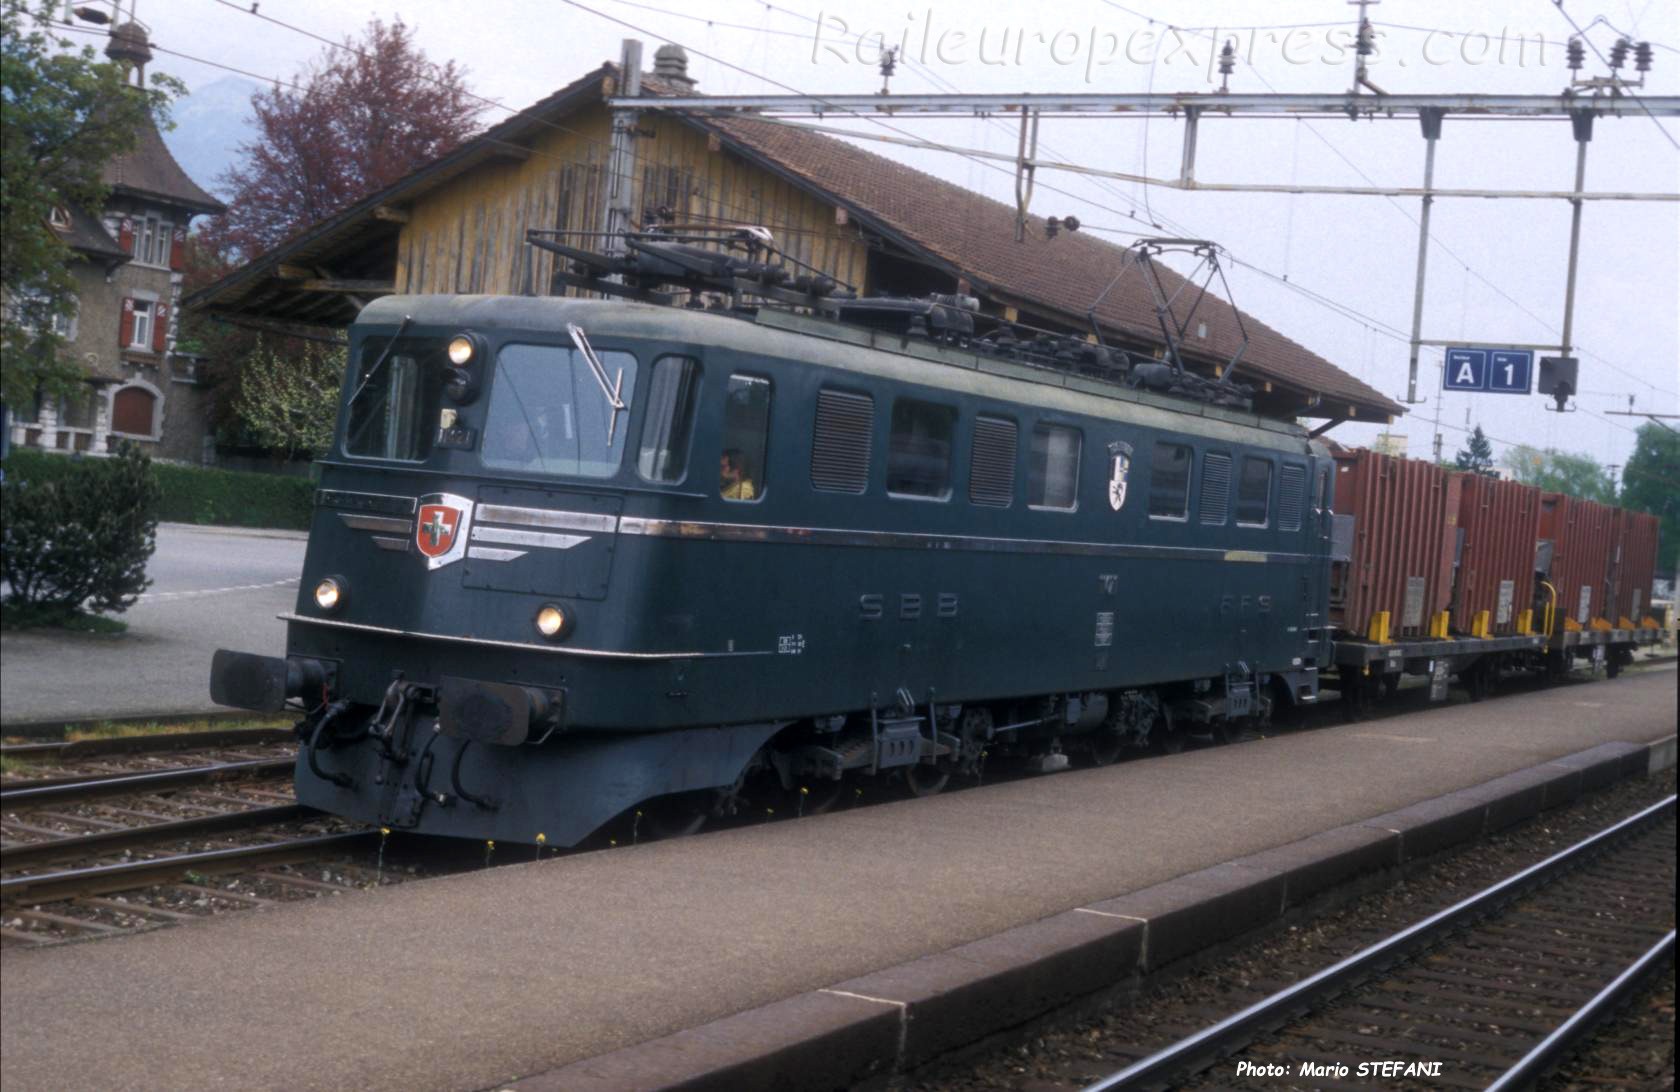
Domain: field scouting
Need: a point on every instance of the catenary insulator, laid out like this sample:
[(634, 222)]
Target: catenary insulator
[(1642, 57), (1618, 53), (1577, 54)]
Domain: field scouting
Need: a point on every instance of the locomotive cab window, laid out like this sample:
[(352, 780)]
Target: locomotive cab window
[(395, 399), (1254, 492), (672, 393), (919, 449), (1053, 468), (746, 436), (1169, 482), (549, 415)]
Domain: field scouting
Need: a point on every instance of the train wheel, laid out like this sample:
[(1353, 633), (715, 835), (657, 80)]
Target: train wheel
[(925, 780), (1164, 739), (1358, 695), (819, 797), (1104, 747)]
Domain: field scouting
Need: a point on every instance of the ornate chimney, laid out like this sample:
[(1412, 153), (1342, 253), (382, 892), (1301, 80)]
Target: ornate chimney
[(670, 63), (129, 46)]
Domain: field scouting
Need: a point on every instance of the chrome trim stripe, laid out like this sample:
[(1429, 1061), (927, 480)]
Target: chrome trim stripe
[(523, 646), (368, 502), (823, 536), (546, 517), (492, 553), (358, 522), (398, 545), (526, 538)]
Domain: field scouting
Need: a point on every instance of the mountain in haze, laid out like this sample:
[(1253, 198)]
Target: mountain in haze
[(210, 125)]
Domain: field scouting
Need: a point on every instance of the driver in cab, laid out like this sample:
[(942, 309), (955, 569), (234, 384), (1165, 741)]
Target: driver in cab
[(733, 483)]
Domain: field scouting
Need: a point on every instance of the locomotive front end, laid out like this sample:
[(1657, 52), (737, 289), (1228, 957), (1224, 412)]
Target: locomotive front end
[(459, 646)]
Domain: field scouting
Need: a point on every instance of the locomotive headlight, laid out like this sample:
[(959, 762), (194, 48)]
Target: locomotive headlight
[(552, 621), (331, 593), (461, 350)]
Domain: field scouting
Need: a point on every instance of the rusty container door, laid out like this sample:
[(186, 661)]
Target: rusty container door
[(1405, 527), (1637, 545), (1582, 533), (1501, 522)]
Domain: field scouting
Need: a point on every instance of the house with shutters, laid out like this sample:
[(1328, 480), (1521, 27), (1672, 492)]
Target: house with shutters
[(128, 265)]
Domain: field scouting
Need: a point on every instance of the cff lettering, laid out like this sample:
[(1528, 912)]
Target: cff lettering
[(1245, 604)]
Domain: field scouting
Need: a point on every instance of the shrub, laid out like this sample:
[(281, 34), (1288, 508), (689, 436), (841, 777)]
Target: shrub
[(80, 536), (195, 494)]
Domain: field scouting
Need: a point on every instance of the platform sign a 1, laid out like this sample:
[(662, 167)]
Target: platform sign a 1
[(1497, 371)]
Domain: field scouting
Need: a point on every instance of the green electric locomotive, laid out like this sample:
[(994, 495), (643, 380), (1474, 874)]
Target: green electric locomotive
[(572, 557)]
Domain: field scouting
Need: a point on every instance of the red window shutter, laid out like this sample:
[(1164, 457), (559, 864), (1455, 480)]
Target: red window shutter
[(125, 238), (160, 326), (178, 250), (126, 333)]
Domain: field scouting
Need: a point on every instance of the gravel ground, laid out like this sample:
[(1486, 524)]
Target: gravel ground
[(1075, 1050)]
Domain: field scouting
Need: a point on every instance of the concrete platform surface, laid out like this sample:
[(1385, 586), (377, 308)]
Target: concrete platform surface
[(473, 980)]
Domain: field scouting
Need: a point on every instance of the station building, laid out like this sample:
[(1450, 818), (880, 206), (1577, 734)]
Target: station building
[(459, 223)]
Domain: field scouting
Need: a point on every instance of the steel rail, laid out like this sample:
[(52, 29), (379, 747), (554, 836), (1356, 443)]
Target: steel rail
[(100, 879), (19, 856), (1237, 1030), (86, 788), (1556, 1046), (135, 745)]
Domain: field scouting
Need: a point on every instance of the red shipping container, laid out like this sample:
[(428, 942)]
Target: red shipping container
[(1583, 538), (1501, 523), (1405, 527), (1637, 568)]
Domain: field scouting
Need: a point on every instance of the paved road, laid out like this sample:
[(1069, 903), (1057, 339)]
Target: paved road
[(469, 980), (212, 587)]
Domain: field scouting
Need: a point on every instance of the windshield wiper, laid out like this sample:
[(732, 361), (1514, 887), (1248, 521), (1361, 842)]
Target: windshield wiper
[(609, 390), (380, 363)]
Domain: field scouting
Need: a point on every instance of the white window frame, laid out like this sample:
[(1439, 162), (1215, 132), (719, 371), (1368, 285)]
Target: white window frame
[(136, 342)]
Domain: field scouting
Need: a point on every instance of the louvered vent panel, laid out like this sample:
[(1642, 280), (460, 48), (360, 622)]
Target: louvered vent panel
[(1292, 488), (991, 472), (1216, 488), (840, 449)]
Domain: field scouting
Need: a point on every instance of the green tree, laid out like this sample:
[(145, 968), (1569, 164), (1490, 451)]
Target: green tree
[(1478, 456), (1561, 472), (1651, 483), (289, 400), (67, 113)]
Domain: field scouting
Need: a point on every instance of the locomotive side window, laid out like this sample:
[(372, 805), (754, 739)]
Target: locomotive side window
[(746, 434), (395, 398), (844, 434), (1053, 468), (1169, 482), (548, 413), (1216, 488), (991, 464), (1292, 487), (919, 449), (672, 394), (1254, 492)]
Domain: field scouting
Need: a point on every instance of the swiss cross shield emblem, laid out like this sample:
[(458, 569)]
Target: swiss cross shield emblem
[(440, 532), (1119, 473)]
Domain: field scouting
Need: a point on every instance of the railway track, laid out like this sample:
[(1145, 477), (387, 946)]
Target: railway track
[(1490, 992)]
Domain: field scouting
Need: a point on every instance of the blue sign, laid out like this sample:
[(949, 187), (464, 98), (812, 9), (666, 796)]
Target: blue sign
[(1466, 370), (1510, 371), (1500, 371)]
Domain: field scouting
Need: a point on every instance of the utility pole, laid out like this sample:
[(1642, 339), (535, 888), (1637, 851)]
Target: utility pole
[(1429, 117), (1582, 122), (621, 150)]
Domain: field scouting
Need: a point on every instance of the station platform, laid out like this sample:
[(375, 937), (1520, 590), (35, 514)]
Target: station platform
[(543, 971)]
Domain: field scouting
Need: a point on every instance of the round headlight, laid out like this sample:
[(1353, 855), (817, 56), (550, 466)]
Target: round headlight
[(551, 620), (461, 350), (330, 593)]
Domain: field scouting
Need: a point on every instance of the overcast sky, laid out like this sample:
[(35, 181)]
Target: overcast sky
[(1502, 282)]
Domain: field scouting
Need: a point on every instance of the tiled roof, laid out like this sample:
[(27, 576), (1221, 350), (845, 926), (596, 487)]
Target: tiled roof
[(975, 234), (89, 236), (150, 171)]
